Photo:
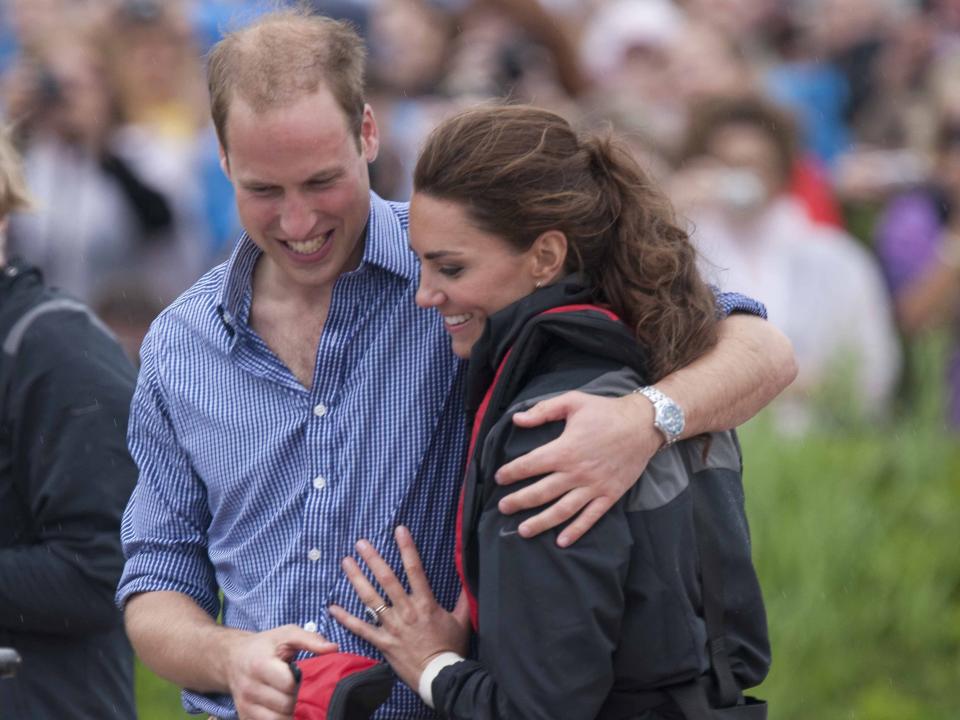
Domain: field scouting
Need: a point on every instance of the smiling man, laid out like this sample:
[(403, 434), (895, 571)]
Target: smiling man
[(296, 399)]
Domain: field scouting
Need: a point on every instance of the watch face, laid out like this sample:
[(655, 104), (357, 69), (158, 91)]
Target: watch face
[(671, 419)]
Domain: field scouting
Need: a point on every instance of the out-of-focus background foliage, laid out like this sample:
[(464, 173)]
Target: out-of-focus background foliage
[(812, 147)]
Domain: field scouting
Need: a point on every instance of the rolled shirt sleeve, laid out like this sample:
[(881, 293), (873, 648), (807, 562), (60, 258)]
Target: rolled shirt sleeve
[(164, 530), (729, 303)]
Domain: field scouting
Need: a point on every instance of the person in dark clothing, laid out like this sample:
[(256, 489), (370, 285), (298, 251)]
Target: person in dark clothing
[(549, 256), (65, 477)]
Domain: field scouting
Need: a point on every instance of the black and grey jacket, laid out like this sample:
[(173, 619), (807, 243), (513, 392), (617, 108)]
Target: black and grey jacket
[(599, 629), (65, 477)]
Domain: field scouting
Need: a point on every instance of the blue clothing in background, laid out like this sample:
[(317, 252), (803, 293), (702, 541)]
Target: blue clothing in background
[(817, 94)]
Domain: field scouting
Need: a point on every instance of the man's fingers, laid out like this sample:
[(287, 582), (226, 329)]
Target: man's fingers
[(412, 564), (539, 461), (276, 691), (273, 674), (546, 411), (558, 513), (383, 573), (296, 638), (545, 490), (587, 518)]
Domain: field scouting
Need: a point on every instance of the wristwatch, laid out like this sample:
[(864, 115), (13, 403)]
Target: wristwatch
[(667, 415)]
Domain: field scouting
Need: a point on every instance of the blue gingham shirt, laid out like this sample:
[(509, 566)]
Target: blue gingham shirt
[(256, 486)]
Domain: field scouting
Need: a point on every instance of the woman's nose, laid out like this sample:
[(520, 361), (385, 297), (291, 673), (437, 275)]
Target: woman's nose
[(427, 297)]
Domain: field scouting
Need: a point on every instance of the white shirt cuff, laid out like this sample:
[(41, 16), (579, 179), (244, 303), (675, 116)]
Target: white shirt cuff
[(430, 672)]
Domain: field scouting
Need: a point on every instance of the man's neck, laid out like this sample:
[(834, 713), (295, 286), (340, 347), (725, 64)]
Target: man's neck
[(271, 287)]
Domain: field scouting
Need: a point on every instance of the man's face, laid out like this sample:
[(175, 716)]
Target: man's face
[(302, 186)]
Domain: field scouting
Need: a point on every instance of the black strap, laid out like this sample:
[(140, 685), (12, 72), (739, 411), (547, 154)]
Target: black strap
[(691, 698), (711, 575)]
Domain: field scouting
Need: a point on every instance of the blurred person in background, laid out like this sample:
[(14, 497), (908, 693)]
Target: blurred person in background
[(705, 64), (163, 131), (96, 217), (626, 52), (821, 287), (410, 43), (427, 59), (65, 476), (918, 242)]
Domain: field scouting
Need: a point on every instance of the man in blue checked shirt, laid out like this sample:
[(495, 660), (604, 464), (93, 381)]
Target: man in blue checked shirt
[(295, 399)]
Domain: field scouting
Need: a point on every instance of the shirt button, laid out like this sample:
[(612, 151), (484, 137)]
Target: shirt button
[(319, 482), (310, 626), (319, 409), (313, 555)]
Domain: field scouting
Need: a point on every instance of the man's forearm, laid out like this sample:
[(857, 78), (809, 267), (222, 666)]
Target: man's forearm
[(179, 641), (752, 363)]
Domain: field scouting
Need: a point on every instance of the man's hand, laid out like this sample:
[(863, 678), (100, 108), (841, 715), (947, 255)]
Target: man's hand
[(607, 443), (604, 448), (258, 670)]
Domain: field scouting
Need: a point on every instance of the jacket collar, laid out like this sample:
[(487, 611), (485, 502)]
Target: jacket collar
[(504, 326)]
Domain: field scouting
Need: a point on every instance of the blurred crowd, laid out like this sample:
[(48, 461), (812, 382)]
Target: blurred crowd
[(812, 147)]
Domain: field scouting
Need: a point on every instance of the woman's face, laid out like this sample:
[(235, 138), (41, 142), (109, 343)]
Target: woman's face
[(466, 274)]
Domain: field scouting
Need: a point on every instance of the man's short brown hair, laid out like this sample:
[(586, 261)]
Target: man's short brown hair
[(283, 56)]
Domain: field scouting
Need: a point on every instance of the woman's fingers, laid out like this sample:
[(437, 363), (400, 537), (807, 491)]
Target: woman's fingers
[(364, 588), (357, 626), (412, 565), (383, 573)]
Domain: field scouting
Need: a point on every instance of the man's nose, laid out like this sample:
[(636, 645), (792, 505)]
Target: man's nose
[(297, 219)]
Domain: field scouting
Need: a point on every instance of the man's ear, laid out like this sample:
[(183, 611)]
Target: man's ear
[(369, 135), (224, 161), (548, 256)]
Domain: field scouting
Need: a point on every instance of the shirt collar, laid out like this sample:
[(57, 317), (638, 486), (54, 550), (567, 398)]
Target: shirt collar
[(384, 246), (387, 245)]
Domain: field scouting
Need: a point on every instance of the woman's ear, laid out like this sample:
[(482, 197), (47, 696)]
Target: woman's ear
[(548, 255)]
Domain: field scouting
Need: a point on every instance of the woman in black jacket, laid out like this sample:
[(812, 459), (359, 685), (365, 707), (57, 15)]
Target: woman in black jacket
[(557, 266)]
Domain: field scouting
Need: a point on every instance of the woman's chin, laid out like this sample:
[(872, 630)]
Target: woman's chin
[(462, 348)]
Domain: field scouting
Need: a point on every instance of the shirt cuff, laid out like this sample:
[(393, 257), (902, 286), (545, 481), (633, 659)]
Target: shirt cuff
[(430, 672)]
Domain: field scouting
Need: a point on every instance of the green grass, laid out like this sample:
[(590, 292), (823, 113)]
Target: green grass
[(156, 698), (856, 543)]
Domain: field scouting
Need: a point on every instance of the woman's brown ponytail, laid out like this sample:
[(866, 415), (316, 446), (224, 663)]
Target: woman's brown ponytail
[(520, 171)]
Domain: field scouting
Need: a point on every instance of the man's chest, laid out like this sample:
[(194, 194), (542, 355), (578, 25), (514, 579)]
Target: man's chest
[(294, 341), (256, 436)]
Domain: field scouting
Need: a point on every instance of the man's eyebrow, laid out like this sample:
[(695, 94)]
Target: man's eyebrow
[(325, 175)]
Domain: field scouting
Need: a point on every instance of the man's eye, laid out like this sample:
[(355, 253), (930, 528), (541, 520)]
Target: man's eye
[(263, 191), (451, 270)]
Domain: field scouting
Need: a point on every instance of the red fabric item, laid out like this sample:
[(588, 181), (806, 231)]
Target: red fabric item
[(477, 422), (318, 679), (809, 183)]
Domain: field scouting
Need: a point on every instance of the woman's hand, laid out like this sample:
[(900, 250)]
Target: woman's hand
[(414, 628)]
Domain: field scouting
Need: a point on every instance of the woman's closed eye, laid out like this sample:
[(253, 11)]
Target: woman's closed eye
[(450, 270)]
